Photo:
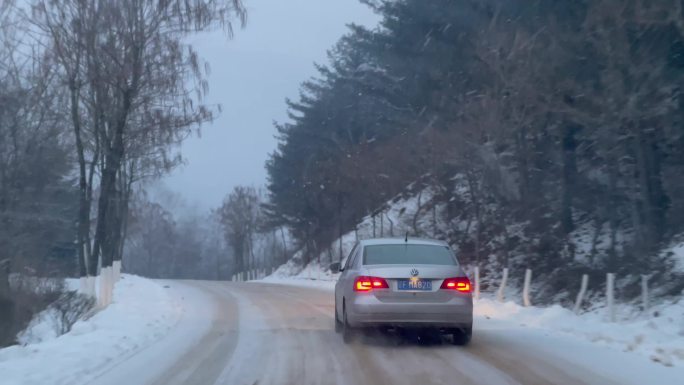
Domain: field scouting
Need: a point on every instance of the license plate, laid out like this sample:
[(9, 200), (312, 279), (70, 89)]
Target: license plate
[(414, 284)]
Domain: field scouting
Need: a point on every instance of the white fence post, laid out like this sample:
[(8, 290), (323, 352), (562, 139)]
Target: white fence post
[(610, 298), (500, 294), (117, 271), (477, 283), (644, 291), (526, 288), (580, 295)]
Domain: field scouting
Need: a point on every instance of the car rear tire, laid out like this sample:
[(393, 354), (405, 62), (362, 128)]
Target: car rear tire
[(338, 323), (462, 337), (348, 333)]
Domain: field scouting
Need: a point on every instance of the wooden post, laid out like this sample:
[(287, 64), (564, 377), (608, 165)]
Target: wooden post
[(610, 296), (580, 295), (502, 288), (526, 288)]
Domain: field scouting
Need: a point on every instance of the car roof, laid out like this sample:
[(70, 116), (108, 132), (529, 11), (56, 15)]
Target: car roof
[(401, 241)]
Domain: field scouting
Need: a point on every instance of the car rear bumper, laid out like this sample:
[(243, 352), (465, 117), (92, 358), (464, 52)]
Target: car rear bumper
[(368, 311)]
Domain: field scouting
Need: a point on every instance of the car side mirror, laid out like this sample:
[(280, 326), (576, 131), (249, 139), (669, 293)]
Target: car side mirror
[(336, 267)]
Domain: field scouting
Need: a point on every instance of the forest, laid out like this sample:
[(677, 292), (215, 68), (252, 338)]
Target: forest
[(540, 128)]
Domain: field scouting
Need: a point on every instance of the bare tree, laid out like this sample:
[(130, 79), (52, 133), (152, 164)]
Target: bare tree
[(239, 216), (126, 68)]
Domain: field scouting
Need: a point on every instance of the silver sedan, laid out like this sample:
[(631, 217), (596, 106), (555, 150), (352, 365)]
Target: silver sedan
[(403, 284)]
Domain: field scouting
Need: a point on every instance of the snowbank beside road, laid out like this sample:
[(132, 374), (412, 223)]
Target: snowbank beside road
[(660, 338), (142, 313), (312, 275)]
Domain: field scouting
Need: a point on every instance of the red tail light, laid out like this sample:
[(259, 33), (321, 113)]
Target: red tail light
[(461, 284), (364, 283)]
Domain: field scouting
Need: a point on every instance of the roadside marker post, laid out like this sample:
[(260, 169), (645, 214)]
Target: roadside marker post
[(526, 288), (580, 295), (500, 294), (610, 296)]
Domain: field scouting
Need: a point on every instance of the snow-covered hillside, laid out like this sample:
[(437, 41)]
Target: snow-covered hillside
[(401, 215)]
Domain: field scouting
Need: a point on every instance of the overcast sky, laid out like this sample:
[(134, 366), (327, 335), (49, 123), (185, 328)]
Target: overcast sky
[(251, 75)]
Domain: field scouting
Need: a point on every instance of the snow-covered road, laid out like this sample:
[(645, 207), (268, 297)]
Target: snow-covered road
[(261, 333)]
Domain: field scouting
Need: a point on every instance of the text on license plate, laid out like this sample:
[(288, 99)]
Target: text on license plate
[(414, 284)]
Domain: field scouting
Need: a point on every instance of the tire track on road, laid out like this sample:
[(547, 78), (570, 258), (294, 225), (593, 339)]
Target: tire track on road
[(204, 362)]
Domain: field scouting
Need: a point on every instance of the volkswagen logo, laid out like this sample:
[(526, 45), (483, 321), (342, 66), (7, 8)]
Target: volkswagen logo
[(414, 272)]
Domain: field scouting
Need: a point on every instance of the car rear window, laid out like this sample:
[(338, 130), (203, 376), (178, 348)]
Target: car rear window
[(408, 254)]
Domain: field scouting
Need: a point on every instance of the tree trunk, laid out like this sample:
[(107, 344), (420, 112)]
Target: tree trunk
[(523, 167), (416, 214), (5, 266), (84, 203), (434, 219), (569, 176), (107, 230), (282, 236), (612, 214), (391, 225), (653, 201)]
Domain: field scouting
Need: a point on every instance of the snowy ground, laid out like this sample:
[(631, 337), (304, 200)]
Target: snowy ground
[(659, 339), (142, 313), (188, 332)]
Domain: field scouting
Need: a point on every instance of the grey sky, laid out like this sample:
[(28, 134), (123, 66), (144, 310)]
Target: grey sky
[(251, 76)]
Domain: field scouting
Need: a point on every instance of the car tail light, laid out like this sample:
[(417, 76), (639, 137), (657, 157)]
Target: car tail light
[(364, 283), (461, 284)]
